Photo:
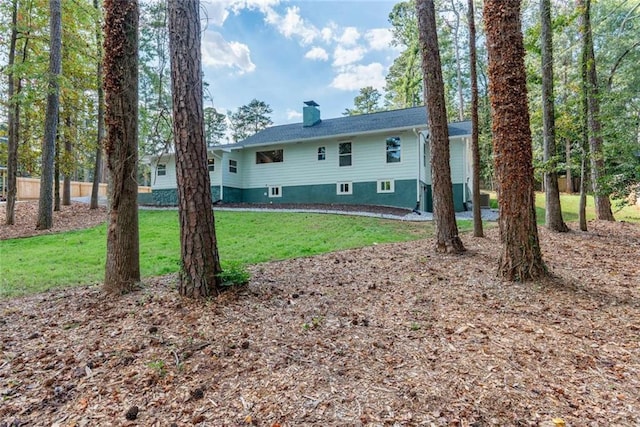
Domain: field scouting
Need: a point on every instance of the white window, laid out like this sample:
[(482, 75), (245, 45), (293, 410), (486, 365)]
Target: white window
[(211, 165), (322, 153), (386, 186), (233, 166), (275, 191), (161, 170), (343, 188), (344, 153), (393, 149)]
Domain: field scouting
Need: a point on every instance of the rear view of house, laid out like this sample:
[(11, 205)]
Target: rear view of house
[(377, 159)]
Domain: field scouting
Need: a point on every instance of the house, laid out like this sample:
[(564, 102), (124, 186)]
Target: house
[(380, 158)]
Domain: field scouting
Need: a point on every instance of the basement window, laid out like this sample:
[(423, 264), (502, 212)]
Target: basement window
[(386, 186), (344, 188), (275, 191)]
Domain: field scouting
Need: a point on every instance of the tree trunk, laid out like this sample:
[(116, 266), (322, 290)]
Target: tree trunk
[(97, 170), (602, 202), (569, 181), (475, 148), (447, 239), (56, 178), (68, 147), (520, 258), (200, 261), (122, 270), (45, 205), (553, 211), (14, 128)]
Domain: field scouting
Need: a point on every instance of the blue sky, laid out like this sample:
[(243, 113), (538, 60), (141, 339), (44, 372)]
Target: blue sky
[(286, 52)]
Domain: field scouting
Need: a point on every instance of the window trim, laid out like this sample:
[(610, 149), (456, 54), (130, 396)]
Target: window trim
[(340, 189), (398, 149), (233, 168), (161, 169), (274, 189), (392, 186), (350, 154)]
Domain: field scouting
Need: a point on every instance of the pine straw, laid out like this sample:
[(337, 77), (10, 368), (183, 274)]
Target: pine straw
[(390, 335)]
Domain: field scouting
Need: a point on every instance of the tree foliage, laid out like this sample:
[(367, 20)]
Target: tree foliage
[(366, 102), (249, 119)]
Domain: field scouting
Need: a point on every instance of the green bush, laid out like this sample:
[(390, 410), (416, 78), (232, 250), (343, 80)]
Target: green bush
[(235, 274)]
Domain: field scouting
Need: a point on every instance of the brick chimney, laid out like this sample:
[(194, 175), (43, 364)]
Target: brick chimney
[(310, 114)]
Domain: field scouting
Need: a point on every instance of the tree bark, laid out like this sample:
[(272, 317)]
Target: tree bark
[(602, 202), (521, 257), (447, 238), (568, 174), (56, 178), (97, 170), (553, 211), (475, 147), (68, 147), (199, 275), (45, 205), (122, 270), (13, 118)]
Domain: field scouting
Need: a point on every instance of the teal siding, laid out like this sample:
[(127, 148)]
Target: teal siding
[(458, 200), (169, 197), (233, 195), (165, 197), (364, 193)]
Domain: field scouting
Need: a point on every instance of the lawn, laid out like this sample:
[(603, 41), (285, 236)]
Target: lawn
[(570, 203), (39, 263)]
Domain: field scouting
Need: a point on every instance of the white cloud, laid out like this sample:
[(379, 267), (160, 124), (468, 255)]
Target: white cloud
[(218, 53), (355, 77), (317, 54), (292, 114), (349, 37), (292, 24), (379, 38), (342, 56), (217, 11), (327, 32)]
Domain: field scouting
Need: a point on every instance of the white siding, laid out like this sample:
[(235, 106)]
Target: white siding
[(233, 179), (457, 159), (165, 181), (301, 166)]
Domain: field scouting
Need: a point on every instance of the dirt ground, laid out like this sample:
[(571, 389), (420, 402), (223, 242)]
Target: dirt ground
[(388, 335)]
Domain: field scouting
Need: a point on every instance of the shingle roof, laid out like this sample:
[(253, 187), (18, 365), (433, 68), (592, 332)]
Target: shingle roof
[(349, 125)]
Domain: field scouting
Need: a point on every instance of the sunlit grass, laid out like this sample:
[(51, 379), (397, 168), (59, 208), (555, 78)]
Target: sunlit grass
[(39, 263)]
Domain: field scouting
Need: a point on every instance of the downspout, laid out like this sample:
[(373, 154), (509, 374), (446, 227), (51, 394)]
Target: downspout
[(418, 198)]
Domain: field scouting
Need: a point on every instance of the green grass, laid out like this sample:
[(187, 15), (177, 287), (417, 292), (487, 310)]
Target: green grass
[(36, 264), (570, 204)]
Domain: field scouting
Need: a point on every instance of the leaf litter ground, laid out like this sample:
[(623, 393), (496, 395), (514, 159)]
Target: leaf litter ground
[(389, 335)]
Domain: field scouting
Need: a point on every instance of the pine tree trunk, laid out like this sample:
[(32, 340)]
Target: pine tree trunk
[(602, 202), (447, 239), (553, 212), (568, 174), (68, 147), (475, 148), (45, 205), (200, 261), (56, 178), (122, 270), (14, 128), (97, 169), (521, 257)]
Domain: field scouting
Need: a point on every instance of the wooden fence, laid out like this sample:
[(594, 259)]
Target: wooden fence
[(29, 188)]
